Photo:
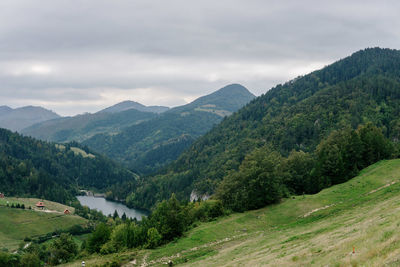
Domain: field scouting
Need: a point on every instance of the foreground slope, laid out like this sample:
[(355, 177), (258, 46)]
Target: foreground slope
[(361, 88), (309, 230), (148, 146)]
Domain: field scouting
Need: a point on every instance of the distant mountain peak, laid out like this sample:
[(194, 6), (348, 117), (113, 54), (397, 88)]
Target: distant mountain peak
[(5, 110), (222, 102), (233, 88), (129, 104), (20, 118)]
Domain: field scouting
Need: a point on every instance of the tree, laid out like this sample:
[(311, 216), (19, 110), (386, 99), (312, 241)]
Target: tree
[(299, 166), (115, 215), (376, 146), (169, 219), (99, 237), (63, 249), (258, 182)]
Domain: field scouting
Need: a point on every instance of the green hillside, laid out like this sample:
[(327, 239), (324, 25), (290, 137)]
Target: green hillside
[(309, 230), (150, 145), (32, 168), (297, 115), (18, 224), (82, 127)]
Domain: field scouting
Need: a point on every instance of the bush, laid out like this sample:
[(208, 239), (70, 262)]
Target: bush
[(153, 238), (108, 248), (30, 260)]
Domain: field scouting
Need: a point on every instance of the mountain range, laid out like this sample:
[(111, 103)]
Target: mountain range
[(150, 145), (298, 115)]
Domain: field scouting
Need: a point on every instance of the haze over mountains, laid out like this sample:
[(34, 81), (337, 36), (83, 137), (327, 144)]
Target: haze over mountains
[(126, 105), (20, 118), (144, 138), (82, 127)]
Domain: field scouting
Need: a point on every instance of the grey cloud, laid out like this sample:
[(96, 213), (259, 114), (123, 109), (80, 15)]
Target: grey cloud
[(77, 50)]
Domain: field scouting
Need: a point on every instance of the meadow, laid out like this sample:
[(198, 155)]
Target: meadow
[(18, 224)]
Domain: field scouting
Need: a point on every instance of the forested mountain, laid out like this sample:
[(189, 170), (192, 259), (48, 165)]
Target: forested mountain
[(150, 145), (126, 105), (82, 127), (298, 115), (19, 118), (29, 167)]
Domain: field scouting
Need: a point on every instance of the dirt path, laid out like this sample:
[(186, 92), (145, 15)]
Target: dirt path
[(318, 209), (164, 260), (328, 206), (380, 188)]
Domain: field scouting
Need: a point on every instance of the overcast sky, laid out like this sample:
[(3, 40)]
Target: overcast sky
[(81, 56)]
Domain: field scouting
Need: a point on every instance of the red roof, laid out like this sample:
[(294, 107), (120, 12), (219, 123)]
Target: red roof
[(39, 204)]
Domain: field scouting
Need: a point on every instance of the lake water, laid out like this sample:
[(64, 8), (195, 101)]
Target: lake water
[(108, 207)]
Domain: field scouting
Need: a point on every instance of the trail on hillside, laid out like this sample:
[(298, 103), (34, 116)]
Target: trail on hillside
[(331, 205), (165, 259)]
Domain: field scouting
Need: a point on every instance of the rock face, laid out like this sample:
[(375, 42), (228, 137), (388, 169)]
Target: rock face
[(194, 196)]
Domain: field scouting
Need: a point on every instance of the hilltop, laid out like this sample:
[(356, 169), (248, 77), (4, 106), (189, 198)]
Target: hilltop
[(126, 105)]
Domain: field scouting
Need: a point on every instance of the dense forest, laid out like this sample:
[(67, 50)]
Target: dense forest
[(150, 145), (29, 167), (295, 116)]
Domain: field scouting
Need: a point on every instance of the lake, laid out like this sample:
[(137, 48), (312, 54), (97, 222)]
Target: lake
[(108, 207)]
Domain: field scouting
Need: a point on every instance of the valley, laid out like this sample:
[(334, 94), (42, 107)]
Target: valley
[(306, 174)]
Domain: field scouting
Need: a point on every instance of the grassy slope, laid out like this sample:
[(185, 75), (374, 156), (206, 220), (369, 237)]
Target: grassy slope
[(280, 235), (16, 224)]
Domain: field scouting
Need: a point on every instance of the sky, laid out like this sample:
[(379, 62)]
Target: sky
[(76, 56)]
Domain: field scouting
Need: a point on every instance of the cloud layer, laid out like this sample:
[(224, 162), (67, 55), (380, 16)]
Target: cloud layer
[(78, 56)]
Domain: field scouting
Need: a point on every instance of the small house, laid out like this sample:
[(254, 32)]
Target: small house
[(40, 205), (67, 211), (1, 195)]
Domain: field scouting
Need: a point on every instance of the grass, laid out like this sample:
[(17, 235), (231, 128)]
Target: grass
[(49, 205), (363, 213), (16, 224)]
